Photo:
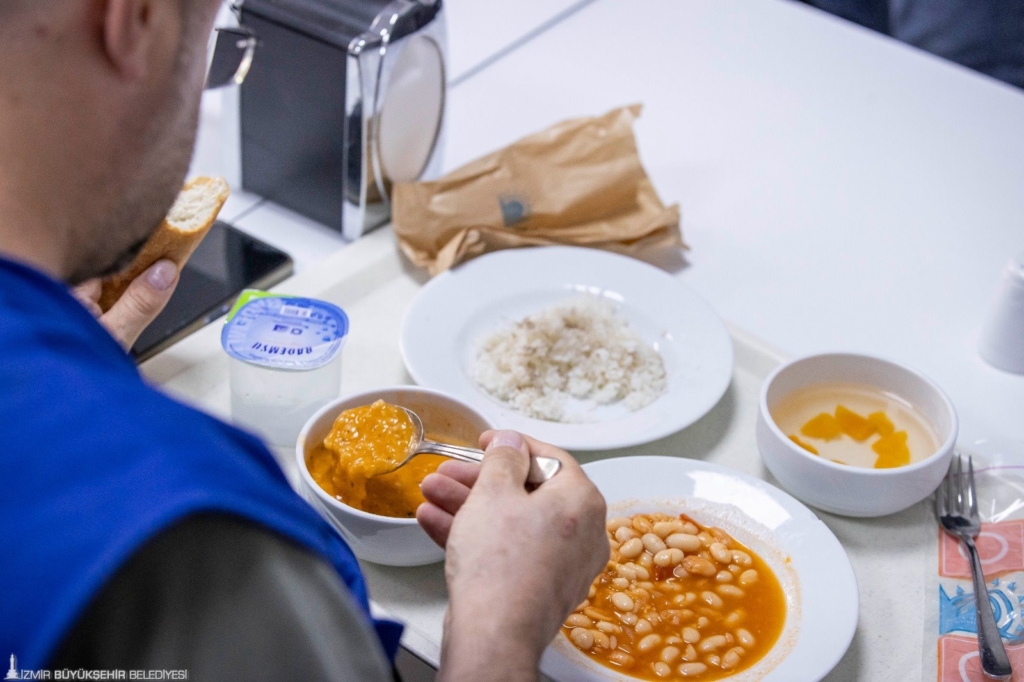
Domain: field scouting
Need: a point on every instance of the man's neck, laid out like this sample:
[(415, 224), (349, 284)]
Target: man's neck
[(24, 237)]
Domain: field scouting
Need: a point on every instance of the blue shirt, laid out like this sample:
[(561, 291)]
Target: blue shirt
[(94, 463)]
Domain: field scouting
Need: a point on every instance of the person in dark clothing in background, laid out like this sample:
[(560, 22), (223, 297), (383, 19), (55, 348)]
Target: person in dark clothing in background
[(984, 35)]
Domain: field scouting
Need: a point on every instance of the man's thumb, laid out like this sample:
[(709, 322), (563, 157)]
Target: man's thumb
[(142, 301), (506, 461)]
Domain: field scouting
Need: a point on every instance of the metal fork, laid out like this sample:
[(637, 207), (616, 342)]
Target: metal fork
[(957, 509)]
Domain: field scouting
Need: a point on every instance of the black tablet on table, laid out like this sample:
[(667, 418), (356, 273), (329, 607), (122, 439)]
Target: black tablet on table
[(226, 262)]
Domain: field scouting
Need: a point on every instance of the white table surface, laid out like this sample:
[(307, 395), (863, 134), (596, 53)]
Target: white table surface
[(480, 31), (839, 190), (371, 282)]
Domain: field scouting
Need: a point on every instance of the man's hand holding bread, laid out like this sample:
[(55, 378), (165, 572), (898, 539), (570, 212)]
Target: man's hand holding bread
[(127, 302)]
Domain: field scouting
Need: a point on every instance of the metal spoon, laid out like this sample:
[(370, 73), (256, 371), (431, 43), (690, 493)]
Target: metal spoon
[(541, 468)]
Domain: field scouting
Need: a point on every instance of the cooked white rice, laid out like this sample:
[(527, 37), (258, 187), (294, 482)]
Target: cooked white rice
[(581, 349)]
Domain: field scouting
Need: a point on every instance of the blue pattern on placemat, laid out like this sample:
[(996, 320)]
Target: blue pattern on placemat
[(958, 613)]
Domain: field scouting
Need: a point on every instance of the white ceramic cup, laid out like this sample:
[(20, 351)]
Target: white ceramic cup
[(384, 539), (851, 490)]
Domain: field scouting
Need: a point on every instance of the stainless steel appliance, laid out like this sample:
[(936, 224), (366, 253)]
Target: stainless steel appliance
[(343, 98)]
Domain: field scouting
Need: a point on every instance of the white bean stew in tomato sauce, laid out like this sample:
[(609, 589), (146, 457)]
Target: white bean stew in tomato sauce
[(678, 601)]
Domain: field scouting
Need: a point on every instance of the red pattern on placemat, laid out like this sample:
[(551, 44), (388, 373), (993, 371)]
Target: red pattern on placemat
[(1000, 545), (958, 660)]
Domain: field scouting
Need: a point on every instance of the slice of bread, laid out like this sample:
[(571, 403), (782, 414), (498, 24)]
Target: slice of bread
[(190, 218)]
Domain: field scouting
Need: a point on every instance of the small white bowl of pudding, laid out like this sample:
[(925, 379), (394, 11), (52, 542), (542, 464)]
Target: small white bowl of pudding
[(855, 435), (375, 513)]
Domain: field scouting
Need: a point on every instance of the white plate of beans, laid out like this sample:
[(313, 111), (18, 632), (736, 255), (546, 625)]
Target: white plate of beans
[(713, 575)]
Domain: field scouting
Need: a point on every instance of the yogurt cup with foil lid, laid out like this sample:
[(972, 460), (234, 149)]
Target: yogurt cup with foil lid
[(284, 362), (284, 332)]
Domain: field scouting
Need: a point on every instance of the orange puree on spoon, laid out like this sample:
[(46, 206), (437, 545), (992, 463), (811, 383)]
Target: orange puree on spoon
[(368, 441), (352, 462)]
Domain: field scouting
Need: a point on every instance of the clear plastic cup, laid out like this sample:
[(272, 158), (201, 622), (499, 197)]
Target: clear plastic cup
[(1002, 337), (285, 361)]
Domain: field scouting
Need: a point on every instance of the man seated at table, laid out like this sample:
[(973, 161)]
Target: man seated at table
[(140, 534)]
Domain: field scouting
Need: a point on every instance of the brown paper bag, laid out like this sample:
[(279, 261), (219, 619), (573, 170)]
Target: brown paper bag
[(579, 182)]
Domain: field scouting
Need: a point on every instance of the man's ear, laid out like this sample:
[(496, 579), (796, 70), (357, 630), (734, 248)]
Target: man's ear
[(132, 34)]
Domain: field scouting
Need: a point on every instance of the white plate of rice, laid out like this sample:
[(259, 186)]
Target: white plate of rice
[(582, 348)]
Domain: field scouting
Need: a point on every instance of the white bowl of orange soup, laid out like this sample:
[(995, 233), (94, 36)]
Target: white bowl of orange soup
[(378, 520), (855, 435)]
